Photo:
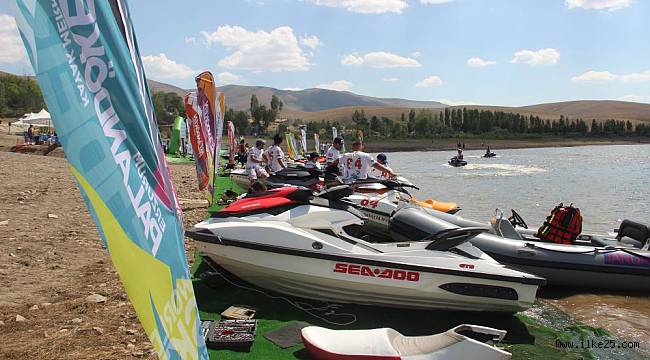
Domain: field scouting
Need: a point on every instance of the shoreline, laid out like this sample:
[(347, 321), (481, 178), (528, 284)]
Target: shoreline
[(497, 144)]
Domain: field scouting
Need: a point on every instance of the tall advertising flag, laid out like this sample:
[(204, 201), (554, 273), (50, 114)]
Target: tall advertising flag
[(86, 59), (335, 133), (290, 149), (198, 141), (208, 109), (294, 145), (221, 112), (232, 143), (361, 137), (303, 138), (317, 142)]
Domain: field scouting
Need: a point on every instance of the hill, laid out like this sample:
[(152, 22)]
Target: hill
[(321, 104)]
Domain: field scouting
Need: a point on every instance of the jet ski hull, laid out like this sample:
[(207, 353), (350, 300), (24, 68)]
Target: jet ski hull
[(572, 265), (457, 163), (368, 281)]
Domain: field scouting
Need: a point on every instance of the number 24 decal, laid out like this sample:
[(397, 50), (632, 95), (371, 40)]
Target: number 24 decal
[(367, 202)]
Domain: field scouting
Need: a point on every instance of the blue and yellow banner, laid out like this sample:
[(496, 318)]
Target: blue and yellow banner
[(86, 58)]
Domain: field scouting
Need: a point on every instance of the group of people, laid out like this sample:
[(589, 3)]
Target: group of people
[(350, 166)]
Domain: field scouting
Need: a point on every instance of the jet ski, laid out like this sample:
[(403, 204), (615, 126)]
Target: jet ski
[(591, 261), (386, 343), (456, 162), (489, 155), (294, 174), (295, 243), (377, 199)]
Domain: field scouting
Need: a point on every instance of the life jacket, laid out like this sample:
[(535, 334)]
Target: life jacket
[(563, 225)]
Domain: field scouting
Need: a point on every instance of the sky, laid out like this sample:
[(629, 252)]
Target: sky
[(493, 52)]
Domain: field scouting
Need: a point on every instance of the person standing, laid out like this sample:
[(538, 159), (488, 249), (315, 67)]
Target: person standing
[(275, 155), (30, 135), (358, 164), (334, 152)]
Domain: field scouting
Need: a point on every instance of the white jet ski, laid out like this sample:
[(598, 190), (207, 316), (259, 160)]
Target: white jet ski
[(294, 243)]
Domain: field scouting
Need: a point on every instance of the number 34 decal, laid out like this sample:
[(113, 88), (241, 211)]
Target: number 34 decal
[(369, 203)]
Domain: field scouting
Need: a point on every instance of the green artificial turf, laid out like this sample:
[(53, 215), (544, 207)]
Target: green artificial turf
[(172, 159)]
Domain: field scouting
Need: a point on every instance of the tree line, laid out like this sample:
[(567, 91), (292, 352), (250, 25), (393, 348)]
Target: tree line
[(19, 95), (427, 123)]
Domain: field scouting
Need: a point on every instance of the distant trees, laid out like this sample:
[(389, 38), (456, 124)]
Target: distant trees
[(263, 116), (425, 123), (167, 106), (19, 95)]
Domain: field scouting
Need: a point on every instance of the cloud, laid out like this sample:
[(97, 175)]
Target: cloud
[(162, 68), (456, 103), (366, 6), (602, 76), (431, 81), (643, 76), (338, 85), (634, 98), (595, 76), (227, 77), (259, 51), (609, 5), (191, 40), (292, 89), (435, 2), (12, 50), (478, 62), (352, 59), (416, 54), (311, 42), (547, 56), (380, 60), (390, 79)]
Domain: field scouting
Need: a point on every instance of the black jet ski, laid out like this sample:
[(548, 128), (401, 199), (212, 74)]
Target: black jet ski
[(297, 175), (489, 155), (456, 162)]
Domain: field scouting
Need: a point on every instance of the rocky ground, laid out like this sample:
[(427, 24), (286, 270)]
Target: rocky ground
[(61, 297)]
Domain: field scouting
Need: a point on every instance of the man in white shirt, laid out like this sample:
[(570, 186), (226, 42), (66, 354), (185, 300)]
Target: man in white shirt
[(254, 160), (334, 152), (377, 174), (275, 155), (357, 164)]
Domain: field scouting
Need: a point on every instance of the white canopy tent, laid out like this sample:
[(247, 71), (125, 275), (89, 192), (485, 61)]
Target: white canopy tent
[(39, 119)]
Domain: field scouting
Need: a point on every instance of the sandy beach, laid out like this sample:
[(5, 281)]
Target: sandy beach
[(53, 266)]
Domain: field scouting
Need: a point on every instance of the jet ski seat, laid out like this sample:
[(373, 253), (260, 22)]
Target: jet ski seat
[(412, 223), (387, 343), (633, 232)]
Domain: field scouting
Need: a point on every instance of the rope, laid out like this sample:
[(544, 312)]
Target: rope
[(331, 309)]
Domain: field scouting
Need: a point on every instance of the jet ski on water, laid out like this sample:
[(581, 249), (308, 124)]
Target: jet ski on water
[(592, 261), (457, 162), (295, 243), (489, 154)]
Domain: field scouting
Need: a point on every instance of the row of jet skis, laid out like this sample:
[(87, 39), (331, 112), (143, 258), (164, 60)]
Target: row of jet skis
[(372, 243)]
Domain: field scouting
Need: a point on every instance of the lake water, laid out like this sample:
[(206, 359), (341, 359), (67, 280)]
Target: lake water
[(607, 183)]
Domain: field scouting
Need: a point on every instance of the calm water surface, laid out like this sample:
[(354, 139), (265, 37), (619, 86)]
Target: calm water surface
[(607, 183)]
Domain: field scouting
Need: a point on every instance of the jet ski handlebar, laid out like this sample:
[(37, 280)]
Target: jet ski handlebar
[(389, 183), (450, 238)]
